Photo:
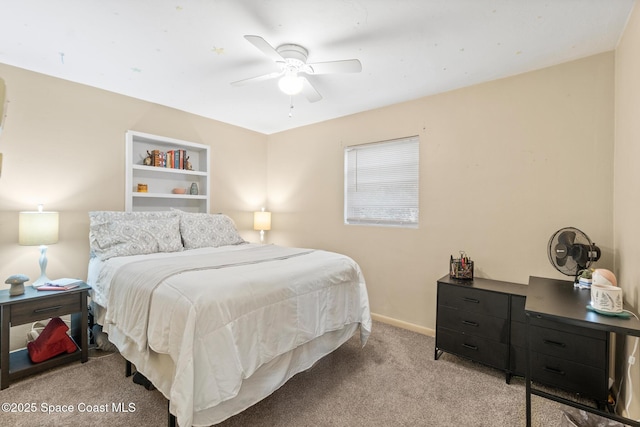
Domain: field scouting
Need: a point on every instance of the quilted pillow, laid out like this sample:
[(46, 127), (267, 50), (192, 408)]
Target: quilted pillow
[(202, 230), (133, 233)]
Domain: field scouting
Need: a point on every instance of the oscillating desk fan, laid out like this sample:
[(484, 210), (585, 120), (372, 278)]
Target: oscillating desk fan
[(571, 251)]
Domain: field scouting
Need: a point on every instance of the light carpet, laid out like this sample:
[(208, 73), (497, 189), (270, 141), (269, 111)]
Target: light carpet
[(392, 381)]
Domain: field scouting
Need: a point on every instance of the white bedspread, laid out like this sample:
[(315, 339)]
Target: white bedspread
[(222, 313)]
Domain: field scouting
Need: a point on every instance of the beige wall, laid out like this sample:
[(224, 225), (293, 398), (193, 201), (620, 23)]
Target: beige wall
[(626, 200), (64, 146), (503, 166)]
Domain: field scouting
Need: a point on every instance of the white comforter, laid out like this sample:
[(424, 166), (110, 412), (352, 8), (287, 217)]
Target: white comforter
[(222, 313)]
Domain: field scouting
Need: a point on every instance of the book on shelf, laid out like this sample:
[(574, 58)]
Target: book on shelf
[(60, 285), (172, 159), (155, 160)]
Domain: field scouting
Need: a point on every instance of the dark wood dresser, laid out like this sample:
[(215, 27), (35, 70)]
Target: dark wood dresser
[(483, 320)]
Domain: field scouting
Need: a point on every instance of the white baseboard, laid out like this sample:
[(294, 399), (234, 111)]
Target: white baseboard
[(404, 325)]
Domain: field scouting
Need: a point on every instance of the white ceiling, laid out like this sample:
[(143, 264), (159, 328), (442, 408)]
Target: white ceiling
[(184, 53)]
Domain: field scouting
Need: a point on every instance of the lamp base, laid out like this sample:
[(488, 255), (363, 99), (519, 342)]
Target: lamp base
[(41, 281), (43, 268)]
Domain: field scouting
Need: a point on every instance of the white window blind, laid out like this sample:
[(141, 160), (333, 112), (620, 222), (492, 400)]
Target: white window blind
[(381, 183)]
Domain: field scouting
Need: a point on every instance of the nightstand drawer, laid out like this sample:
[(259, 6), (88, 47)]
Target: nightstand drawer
[(478, 349), (44, 308), (474, 300), (470, 323)]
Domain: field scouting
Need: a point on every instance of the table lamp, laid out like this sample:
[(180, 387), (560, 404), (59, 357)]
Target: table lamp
[(262, 222), (38, 228)]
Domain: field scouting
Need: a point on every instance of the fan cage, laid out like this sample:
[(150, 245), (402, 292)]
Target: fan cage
[(579, 241)]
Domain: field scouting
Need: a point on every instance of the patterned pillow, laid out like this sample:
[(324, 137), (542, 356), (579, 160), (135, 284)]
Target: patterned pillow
[(106, 216), (133, 233), (202, 230)]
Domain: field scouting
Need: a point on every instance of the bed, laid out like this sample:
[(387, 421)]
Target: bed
[(216, 323)]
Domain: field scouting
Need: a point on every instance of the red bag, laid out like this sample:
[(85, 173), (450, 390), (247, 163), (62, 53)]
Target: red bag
[(51, 342)]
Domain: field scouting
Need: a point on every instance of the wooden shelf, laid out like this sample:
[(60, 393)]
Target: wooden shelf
[(20, 365), (156, 169), (169, 196)]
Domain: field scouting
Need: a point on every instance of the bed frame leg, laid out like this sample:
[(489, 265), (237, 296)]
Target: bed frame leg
[(171, 418)]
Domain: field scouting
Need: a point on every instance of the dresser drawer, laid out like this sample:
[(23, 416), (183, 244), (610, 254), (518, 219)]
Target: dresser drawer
[(571, 376), (474, 300), (44, 308), (476, 348), (544, 322), (470, 323), (517, 309), (584, 350)]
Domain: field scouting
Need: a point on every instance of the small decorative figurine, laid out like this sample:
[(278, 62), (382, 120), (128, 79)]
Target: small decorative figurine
[(188, 164), (148, 160), (17, 284)]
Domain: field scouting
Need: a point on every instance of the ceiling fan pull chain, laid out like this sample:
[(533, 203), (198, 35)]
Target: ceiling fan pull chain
[(290, 106)]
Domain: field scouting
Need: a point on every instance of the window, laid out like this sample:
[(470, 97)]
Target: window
[(381, 183)]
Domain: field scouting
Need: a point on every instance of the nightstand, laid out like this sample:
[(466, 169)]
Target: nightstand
[(36, 305)]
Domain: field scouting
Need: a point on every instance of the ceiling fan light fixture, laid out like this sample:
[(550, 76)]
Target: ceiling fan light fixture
[(291, 60), (290, 83)]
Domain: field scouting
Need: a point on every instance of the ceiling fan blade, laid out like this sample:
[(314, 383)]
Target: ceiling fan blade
[(257, 79), (331, 67), (309, 91), (265, 47)]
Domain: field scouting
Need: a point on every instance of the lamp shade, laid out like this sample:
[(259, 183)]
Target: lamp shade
[(262, 221), (37, 228)]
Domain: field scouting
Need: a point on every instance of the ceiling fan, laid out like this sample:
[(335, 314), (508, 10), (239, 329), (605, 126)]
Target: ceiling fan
[(292, 61)]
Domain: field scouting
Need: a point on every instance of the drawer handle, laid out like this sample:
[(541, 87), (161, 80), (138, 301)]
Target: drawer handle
[(469, 323), (471, 347), (554, 370), (473, 300), (44, 310), (555, 343)]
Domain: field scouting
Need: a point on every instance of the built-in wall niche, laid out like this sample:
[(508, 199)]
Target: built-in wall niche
[(158, 168)]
